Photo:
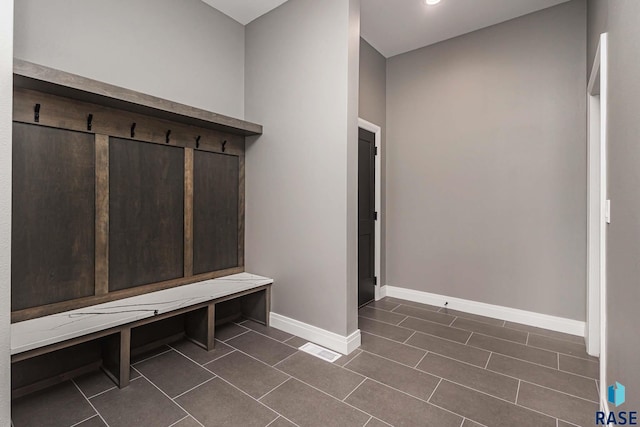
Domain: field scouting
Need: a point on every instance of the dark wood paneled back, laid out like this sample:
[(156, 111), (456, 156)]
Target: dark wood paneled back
[(52, 242), (215, 211), (110, 203), (146, 213)]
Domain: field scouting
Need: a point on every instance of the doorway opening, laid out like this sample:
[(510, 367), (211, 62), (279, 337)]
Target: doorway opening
[(598, 212), (369, 211)]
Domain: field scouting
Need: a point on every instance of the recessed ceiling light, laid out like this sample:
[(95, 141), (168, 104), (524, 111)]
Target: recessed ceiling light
[(431, 2)]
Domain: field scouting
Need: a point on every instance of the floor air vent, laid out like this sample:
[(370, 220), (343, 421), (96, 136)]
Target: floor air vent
[(320, 352)]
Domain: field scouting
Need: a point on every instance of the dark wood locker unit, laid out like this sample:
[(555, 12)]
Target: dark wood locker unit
[(53, 193), (118, 193), (215, 211)]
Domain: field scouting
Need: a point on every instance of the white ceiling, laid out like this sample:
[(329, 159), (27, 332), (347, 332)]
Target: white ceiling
[(398, 26), (244, 11)]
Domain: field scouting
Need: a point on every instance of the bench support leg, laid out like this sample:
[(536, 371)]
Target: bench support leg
[(200, 326), (117, 357), (256, 306)]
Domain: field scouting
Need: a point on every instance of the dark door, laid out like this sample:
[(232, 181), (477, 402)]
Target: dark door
[(366, 216)]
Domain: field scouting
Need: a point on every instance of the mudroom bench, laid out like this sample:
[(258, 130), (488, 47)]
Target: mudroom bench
[(111, 324)]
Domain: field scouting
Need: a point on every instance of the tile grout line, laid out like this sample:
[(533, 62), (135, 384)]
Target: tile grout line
[(556, 338), (532, 346), (448, 325), (390, 360), (247, 394), (267, 393), (352, 391), (533, 363), (291, 355), (236, 336), (383, 311), (468, 339), (169, 397), (369, 420), (518, 391), (499, 398), (561, 392), (562, 353), (453, 321), (151, 357), (405, 318), (79, 422), (410, 336), (277, 418), (414, 397), (193, 388), (90, 403), (419, 332), (434, 391), (413, 346), (537, 385), (420, 361), (264, 335), (464, 419), (527, 341), (180, 420), (270, 327), (488, 359), (102, 392), (573, 373), (210, 361), (385, 322)]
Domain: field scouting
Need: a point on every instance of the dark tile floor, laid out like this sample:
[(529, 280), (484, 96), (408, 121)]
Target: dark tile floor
[(419, 365)]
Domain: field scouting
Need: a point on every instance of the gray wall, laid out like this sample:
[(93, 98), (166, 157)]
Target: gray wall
[(301, 183), (486, 165), (6, 97), (620, 19), (183, 51), (597, 14), (373, 108)]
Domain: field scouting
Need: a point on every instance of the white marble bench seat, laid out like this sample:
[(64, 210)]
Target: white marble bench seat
[(45, 334)]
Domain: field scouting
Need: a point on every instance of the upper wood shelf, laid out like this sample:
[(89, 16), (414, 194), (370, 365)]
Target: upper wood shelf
[(44, 79)]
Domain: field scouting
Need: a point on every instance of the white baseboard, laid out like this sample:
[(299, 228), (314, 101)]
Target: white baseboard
[(331, 340), (381, 292), (559, 324)]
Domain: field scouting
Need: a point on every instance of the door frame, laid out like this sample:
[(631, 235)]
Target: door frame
[(377, 131), (598, 212)]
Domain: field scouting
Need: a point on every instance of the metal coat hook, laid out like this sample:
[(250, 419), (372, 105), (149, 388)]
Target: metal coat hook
[(198, 141), (168, 135), (133, 130), (224, 145), (89, 121), (36, 113)]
